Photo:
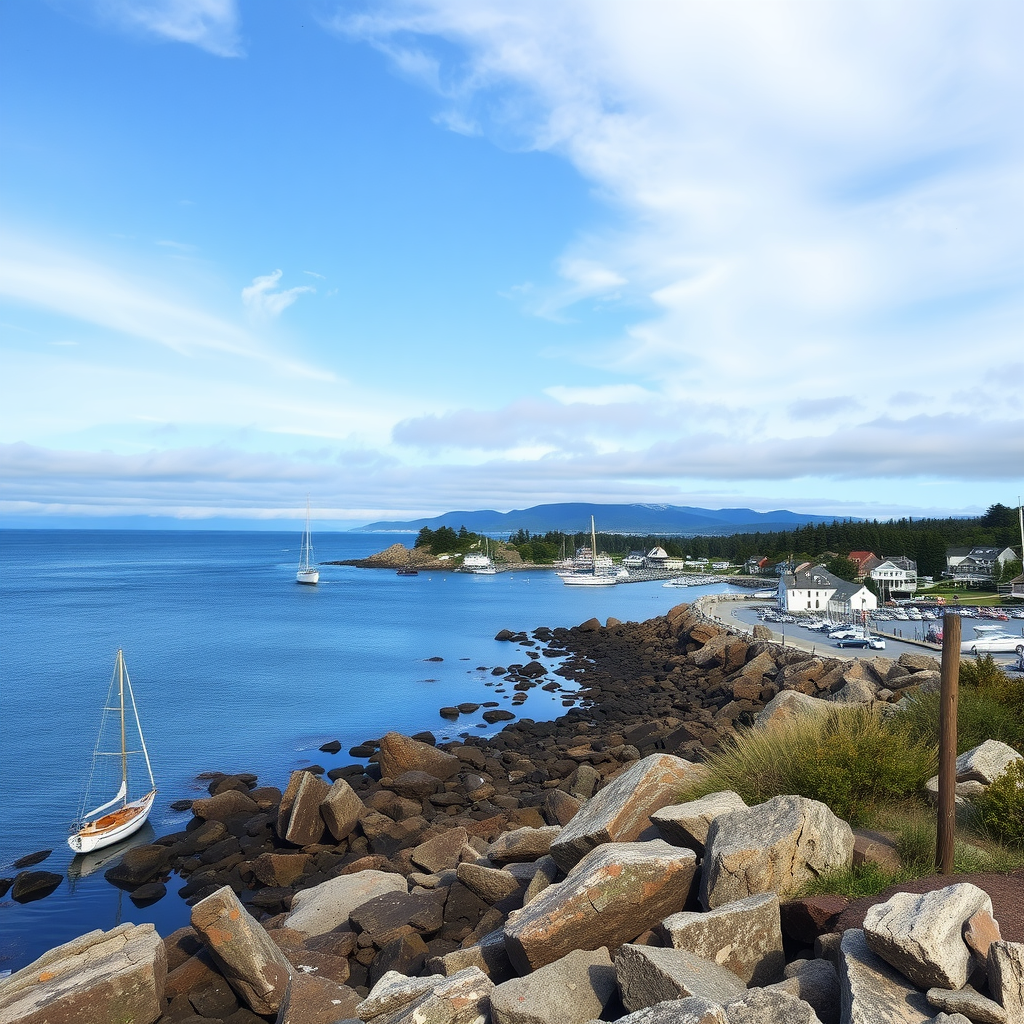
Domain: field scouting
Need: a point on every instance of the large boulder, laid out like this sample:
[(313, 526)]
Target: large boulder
[(488, 954), (523, 844), (688, 824), (776, 846), (98, 977), (1006, 976), (572, 990), (652, 974), (692, 1010), (224, 805), (621, 811), (745, 937), (399, 754), (921, 935), (815, 982), (245, 954), (324, 907), (986, 762), (790, 704), (461, 999), (340, 809), (300, 821), (771, 1006), (872, 991), (616, 892)]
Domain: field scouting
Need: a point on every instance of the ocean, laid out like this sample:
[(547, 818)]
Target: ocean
[(235, 667)]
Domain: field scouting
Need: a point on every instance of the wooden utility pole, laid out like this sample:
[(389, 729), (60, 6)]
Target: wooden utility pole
[(949, 683)]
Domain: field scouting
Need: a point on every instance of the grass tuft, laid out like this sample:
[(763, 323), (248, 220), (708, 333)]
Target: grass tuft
[(849, 758)]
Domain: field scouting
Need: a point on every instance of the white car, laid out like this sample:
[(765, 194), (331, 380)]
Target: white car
[(1004, 643)]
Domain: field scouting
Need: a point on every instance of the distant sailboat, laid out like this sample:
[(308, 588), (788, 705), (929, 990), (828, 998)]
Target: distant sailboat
[(594, 578), (308, 571), (117, 818)]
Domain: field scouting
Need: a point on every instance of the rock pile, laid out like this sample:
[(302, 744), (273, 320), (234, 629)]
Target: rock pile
[(546, 874)]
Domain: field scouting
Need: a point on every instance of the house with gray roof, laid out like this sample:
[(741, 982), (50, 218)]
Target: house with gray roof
[(814, 590)]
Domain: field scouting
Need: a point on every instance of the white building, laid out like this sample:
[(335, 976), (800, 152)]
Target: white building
[(977, 564), (896, 577), (816, 590)]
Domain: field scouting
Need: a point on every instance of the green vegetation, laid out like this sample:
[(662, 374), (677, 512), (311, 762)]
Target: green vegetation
[(445, 541), (851, 759), (990, 706), (1001, 809)]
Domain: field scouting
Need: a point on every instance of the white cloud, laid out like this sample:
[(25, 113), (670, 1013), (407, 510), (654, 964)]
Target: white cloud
[(212, 25), (808, 193), (262, 299)]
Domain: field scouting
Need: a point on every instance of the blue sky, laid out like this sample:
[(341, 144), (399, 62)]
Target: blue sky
[(415, 256)]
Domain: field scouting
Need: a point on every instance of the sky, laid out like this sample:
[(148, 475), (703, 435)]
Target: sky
[(408, 257)]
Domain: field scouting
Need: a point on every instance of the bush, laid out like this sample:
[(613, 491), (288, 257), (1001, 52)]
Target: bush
[(990, 706), (849, 758), (1001, 808)]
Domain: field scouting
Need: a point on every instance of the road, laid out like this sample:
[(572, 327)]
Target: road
[(744, 615)]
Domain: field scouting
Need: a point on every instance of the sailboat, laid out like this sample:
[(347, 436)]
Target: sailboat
[(119, 817), (307, 572), (594, 578)]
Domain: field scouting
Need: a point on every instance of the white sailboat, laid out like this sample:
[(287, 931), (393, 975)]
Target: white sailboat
[(594, 578), (119, 817), (307, 571)]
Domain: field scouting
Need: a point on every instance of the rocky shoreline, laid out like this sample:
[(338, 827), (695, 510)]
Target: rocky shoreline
[(456, 883)]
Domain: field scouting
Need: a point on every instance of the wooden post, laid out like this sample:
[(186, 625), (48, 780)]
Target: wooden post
[(949, 683)]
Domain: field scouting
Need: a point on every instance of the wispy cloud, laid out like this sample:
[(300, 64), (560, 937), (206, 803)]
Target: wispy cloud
[(212, 25), (264, 300)]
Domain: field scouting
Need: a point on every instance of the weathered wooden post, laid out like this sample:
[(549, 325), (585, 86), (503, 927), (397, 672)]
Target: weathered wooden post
[(949, 683)]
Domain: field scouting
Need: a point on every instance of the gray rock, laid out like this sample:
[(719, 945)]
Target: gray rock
[(787, 704), (100, 976), (692, 1010), (687, 824), (771, 1006), (394, 991), (443, 851), (651, 974), (745, 937), (1006, 976), (776, 846), (341, 809), (872, 991), (986, 762), (489, 955), (300, 821), (245, 954), (622, 810), (545, 875), (461, 999), (922, 935), (815, 982), (615, 893), (572, 990), (324, 907), (950, 1018), (968, 1001), (522, 844), (490, 884)]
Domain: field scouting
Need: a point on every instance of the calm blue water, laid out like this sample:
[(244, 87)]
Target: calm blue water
[(235, 668)]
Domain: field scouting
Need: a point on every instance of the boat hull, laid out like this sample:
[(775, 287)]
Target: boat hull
[(589, 581), (112, 828), (310, 576)]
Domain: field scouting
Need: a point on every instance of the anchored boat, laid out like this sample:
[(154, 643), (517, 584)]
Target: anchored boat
[(121, 816)]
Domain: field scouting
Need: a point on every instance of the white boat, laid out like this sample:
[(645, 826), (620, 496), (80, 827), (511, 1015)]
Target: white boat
[(308, 571), (994, 643), (595, 577), (120, 817)]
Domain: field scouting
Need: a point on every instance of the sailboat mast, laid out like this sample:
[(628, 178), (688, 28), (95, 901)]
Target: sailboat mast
[(124, 745), (593, 543)]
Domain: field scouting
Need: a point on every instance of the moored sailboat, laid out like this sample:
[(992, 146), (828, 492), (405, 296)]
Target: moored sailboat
[(120, 817), (307, 571), (595, 577)]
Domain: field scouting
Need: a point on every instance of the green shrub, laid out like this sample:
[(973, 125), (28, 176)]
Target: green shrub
[(1001, 808), (848, 758), (864, 880), (990, 706)]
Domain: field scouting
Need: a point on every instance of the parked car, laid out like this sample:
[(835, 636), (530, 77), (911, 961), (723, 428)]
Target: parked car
[(852, 641)]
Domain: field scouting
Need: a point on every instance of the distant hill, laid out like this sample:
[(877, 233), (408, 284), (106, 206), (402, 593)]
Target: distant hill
[(643, 520)]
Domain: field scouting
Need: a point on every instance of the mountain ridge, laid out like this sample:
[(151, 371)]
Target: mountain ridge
[(639, 518)]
